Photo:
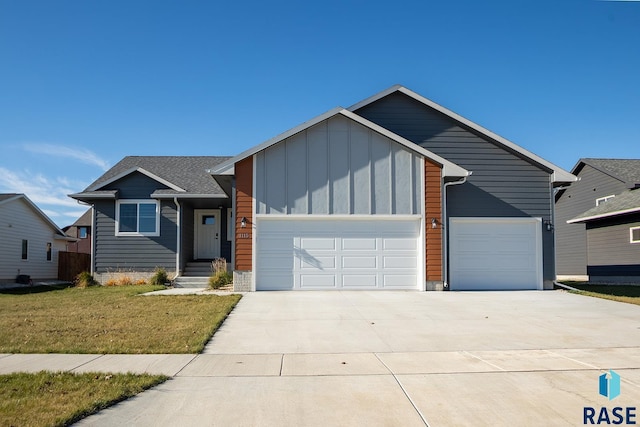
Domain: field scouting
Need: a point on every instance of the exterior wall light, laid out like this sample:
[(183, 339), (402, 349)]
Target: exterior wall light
[(434, 223), (243, 222), (549, 225)]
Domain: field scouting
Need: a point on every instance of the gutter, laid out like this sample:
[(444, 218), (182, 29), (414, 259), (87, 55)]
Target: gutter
[(178, 237), (445, 243)]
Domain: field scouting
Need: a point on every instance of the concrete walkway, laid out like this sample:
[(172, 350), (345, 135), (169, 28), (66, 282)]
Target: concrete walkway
[(384, 358)]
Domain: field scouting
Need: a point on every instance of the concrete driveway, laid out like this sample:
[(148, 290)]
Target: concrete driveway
[(401, 358)]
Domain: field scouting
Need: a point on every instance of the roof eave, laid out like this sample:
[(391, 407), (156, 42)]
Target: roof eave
[(188, 196), (604, 215)]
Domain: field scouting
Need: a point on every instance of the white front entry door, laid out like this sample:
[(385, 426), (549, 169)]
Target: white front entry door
[(207, 233)]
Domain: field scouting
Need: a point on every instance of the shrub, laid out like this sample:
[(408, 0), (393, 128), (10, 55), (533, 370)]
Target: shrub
[(220, 277), (84, 280), (159, 277)]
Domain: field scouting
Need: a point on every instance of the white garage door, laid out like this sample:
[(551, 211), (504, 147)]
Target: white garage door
[(495, 253), (336, 254)]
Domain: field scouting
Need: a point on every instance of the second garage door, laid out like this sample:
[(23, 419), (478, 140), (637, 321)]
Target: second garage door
[(495, 253), (299, 254)]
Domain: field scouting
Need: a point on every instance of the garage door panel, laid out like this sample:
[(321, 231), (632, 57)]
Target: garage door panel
[(318, 263), (317, 243), (317, 281), (398, 281), (359, 244), (495, 253), (359, 281), (403, 244), (337, 253), (349, 262), (400, 262)]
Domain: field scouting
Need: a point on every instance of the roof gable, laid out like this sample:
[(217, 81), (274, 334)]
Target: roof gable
[(624, 170), (449, 168), (183, 175), (559, 175), (8, 198)]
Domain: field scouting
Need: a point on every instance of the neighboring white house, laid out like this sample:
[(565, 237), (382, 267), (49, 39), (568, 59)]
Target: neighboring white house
[(29, 240)]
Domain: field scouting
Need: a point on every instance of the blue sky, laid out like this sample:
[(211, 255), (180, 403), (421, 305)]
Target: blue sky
[(84, 83)]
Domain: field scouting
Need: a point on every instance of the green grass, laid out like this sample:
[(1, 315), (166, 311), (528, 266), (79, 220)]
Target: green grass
[(622, 293), (60, 399), (108, 320)]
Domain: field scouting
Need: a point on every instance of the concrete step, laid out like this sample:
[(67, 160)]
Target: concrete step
[(197, 269), (191, 282)]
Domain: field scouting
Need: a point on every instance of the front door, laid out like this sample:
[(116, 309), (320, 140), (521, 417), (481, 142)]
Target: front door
[(207, 234)]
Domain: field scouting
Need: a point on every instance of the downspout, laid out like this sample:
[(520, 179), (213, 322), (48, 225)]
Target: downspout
[(445, 243), (178, 237)]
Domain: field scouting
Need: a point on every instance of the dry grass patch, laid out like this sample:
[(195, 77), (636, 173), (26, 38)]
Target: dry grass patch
[(60, 399), (109, 320)]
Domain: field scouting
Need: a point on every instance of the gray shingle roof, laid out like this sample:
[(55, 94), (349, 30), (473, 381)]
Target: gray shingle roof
[(626, 170), (626, 202), (186, 172)]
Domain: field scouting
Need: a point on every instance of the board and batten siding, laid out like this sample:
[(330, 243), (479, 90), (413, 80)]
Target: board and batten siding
[(579, 197), (338, 167), (18, 221), (244, 209), (503, 183)]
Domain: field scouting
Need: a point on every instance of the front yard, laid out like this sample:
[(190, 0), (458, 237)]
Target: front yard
[(109, 320), (94, 320)]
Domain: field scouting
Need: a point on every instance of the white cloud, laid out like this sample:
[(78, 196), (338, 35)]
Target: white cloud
[(50, 195), (81, 154)]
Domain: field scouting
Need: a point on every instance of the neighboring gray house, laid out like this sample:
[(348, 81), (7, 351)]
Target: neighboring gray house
[(29, 240), (598, 222), (396, 192)]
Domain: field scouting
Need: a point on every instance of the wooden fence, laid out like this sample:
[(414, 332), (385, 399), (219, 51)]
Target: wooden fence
[(70, 264)]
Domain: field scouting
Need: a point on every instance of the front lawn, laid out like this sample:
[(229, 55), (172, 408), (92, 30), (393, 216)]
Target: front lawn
[(623, 293), (108, 320), (60, 399)]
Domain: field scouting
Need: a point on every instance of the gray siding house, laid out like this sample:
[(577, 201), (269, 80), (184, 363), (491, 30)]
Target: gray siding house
[(395, 192), (599, 222)]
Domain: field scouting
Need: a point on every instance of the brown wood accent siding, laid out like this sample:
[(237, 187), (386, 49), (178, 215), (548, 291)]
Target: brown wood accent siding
[(433, 209), (244, 208)]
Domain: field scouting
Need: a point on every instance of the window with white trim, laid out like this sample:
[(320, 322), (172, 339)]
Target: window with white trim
[(634, 235), (604, 199), (137, 218), (49, 249), (83, 232), (25, 249)]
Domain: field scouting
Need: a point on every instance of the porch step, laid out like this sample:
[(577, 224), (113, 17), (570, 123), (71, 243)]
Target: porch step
[(191, 282), (197, 269)]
